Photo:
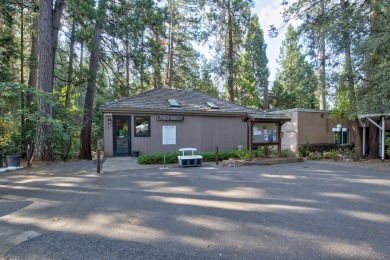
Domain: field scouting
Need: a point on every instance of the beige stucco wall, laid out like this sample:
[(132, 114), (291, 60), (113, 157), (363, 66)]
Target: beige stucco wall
[(201, 132), (290, 133), (309, 126)]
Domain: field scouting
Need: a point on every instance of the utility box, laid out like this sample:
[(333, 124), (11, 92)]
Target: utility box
[(100, 144)]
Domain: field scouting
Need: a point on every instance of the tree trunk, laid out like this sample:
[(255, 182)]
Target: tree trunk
[(22, 94), (86, 130), (322, 87), (373, 56), (170, 48), (33, 62), (373, 141), (57, 14), (43, 141), (70, 65), (230, 55), (127, 43), (266, 103), (81, 78), (350, 81)]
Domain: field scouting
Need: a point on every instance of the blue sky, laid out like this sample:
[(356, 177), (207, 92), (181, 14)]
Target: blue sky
[(269, 12)]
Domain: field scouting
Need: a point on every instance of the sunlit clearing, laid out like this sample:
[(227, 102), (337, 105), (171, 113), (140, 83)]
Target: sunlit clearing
[(343, 195), (174, 173), (239, 206), (369, 216), (289, 177), (380, 182), (239, 192), (343, 250), (149, 184), (209, 222)]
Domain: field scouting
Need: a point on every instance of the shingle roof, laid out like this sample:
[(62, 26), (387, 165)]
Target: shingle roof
[(190, 101), (266, 117), (156, 100)]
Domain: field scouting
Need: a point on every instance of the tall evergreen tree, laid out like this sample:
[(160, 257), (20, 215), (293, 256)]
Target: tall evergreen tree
[(227, 21), (253, 81), (49, 25), (295, 84)]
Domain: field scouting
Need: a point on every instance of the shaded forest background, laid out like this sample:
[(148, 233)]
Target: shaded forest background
[(61, 60)]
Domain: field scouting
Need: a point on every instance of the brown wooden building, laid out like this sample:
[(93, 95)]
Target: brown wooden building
[(163, 120)]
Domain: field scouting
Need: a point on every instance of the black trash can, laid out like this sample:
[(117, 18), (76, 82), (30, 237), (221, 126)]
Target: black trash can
[(135, 153), (1, 160), (13, 160)]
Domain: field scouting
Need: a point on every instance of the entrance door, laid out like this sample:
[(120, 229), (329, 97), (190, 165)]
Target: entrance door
[(122, 135)]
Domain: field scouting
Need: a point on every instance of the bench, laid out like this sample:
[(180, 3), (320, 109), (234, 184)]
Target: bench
[(186, 160)]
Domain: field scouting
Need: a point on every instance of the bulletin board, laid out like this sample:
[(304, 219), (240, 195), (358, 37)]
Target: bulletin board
[(265, 133)]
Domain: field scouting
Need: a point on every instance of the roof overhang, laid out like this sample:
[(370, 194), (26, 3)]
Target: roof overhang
[(127, 111), (266, 117), (373, 116)]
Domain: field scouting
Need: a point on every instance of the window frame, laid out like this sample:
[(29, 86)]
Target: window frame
[(142, 119)]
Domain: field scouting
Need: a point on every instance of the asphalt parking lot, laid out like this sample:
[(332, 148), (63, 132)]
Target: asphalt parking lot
[(303, 210)]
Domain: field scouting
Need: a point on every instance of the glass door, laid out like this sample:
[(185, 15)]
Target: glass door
[(122, 136)]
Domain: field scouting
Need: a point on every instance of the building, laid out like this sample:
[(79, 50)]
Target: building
[(312, 126), (164, 120)]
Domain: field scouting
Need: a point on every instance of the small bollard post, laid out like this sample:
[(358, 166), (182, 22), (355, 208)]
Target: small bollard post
[(216, 155), (98, 161)]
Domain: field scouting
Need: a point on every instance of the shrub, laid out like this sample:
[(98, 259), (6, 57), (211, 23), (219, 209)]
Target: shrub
[(158, 158), (304, 150), (314, 156), (258, 154), (243, 154), (267, 151), (286, 153), (332, 154), (387, 142)]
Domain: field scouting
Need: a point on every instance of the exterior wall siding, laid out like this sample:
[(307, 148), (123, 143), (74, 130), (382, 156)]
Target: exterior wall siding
[(315, 127), (201, 132), (311, 127)]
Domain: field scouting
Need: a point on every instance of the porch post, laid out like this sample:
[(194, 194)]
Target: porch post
[(383, 138), (280, 139), (364, 141)]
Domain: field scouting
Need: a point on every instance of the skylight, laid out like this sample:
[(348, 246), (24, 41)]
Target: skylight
[(212, 105), (173, 102)]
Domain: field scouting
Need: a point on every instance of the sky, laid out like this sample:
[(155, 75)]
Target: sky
[(270, 12)]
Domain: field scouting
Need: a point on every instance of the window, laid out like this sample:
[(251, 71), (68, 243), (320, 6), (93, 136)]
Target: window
[(141, 126), (212, 105), (173, 102)]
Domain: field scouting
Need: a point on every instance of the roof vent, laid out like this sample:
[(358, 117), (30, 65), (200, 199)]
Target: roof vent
[(173, 102), (212, 105)]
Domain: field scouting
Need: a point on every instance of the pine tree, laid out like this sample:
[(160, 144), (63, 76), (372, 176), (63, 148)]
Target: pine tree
[(227, 21), (252, 82), (296, 83)]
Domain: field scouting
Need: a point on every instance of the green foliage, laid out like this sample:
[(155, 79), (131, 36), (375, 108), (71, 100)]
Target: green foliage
[(296, 83), (243, 154), (267, 151), (332, 154), (252, 73), (158, 158), (304, 150), (286, 153), (388, 144), (314, 157)]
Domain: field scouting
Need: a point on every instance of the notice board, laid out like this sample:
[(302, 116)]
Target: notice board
[(169, 135), (265, 133)]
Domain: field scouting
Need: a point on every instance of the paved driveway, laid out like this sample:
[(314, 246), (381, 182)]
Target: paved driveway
[(304, 210)]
